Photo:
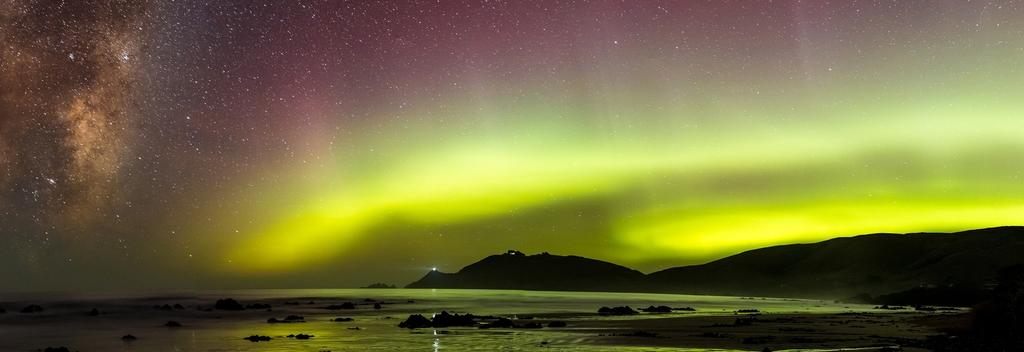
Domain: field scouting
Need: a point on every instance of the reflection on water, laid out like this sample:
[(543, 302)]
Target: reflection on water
[(64, 322)]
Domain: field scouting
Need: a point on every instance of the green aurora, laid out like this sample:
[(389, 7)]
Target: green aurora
[(343, 143)]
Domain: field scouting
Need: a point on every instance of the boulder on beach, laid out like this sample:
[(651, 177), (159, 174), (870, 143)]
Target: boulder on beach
[(658, 309), (377, 306), (129, 338), (301, 336), (94, 312), (624, 310), (56, 349), (557, 324), (342, 320), (257, 306), (32, 308), (257, 338), (172, 324), (346, 305), (228, 304), (446, 319), (416, 321)]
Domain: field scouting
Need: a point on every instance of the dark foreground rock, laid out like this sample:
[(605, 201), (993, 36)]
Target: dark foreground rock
[(228, 304), (342, 320), (56, 349), (346, 305), (257, 338), (257, 306), (172, 324), (624, 310), (658, 309), (416, 321), (442, 320), (32, 308), (129, 338)]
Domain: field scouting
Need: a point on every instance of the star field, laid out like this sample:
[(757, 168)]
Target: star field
[(148, 144)]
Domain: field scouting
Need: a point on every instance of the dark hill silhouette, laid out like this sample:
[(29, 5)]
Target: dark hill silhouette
[(836, 268), (515, 270), (877, 263)]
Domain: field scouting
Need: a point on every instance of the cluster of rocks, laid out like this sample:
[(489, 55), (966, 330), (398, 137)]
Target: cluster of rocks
[(257, 338), (169, 307), (228, 304), (257, 306), (658, 309), (346, 305), (626, 310), (32, 308), (445, 319), (623, 310), (442, 320)]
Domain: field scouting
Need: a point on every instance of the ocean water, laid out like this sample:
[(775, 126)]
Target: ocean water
[(65, 322)]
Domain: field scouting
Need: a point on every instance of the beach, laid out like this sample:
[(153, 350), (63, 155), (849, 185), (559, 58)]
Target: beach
[(714, 323)]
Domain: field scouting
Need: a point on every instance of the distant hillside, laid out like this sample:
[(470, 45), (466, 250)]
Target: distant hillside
[(515, 270), (877, 263), (836, 268)]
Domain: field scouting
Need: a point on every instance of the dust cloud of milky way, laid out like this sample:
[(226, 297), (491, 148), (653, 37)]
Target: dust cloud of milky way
[(68, 77)]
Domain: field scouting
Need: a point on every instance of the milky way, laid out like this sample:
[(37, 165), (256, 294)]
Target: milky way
[(323, 143)]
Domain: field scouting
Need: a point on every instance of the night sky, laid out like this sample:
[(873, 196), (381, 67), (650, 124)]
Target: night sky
[(192, 144)]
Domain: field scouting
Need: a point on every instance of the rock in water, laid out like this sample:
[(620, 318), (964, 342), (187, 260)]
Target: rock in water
[(32, 308), (416, 321), (228, 304), (625, 310), (257, 338), (658, 309), (346, 305), (446, 319)]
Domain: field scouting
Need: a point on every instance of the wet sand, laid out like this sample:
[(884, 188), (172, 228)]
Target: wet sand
[(872, 331), (780, 324)]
